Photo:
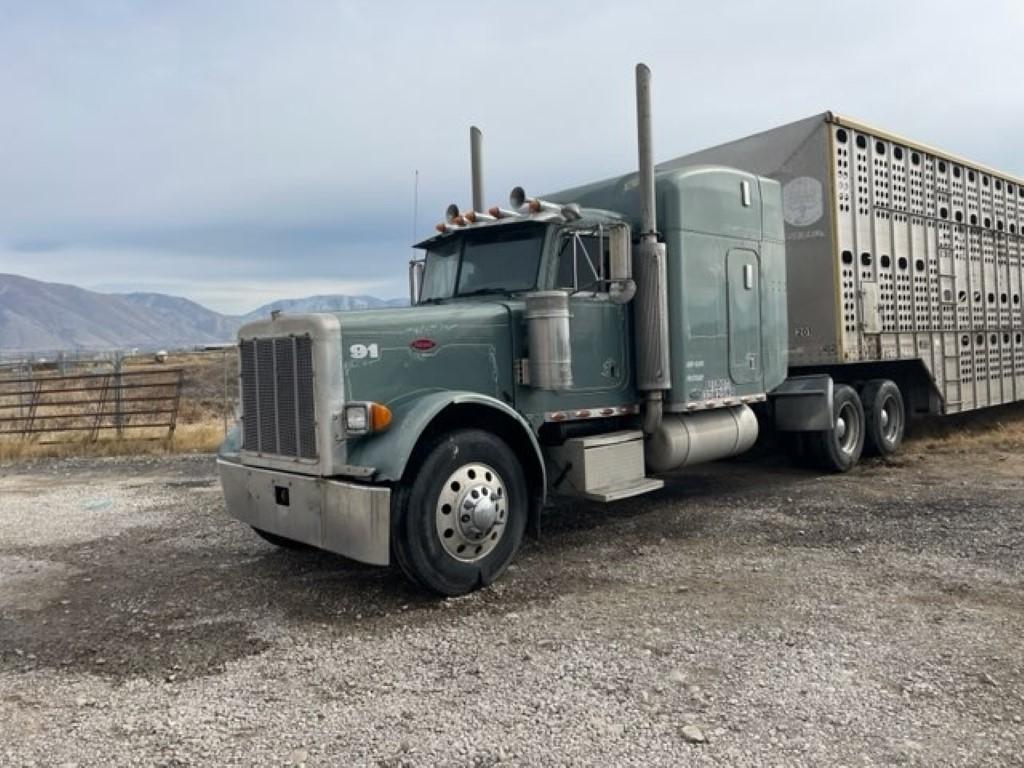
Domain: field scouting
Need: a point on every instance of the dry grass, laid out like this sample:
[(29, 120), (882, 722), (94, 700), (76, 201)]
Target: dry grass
[(200, 426), (1000, 427), (204, 437), (211, 388)]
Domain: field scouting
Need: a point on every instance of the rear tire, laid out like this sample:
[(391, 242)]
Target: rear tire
[(280, 541), (459, 521), (884, 416), (839, 449)]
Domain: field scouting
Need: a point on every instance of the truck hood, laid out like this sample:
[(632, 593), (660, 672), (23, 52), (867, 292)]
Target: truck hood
[(389, 355)]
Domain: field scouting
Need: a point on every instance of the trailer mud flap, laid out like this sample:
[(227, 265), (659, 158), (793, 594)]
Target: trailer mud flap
[(803, 404)]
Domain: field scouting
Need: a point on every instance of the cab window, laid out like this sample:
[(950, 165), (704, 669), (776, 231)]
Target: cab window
[(583, 259)]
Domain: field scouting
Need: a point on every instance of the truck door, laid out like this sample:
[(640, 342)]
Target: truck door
[(742, 284), (598, 342), (598, 325)]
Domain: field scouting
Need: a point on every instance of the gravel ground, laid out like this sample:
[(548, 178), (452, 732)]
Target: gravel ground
[(749, 614)]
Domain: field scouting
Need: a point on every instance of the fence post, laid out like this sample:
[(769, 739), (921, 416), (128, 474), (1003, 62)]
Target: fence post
[(177, 402), (224, 405), (118, 393)]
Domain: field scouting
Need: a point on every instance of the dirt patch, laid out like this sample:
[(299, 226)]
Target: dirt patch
[(793, 618)]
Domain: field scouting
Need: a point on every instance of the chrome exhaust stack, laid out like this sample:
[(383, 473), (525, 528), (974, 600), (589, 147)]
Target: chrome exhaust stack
[(649, 263), (476, 167)]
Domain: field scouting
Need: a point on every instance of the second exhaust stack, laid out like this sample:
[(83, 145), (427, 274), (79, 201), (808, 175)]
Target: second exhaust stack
[(476, 161), (651, 303)]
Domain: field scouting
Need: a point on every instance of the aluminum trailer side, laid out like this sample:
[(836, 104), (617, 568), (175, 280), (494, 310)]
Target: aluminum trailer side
[(903, 261)]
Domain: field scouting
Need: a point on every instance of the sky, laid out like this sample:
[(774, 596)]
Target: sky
[(237, 152)]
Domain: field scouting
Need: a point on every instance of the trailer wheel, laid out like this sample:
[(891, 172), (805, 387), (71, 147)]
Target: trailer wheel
[(279, 541), (460, 520), (839, 449), (885, 417)]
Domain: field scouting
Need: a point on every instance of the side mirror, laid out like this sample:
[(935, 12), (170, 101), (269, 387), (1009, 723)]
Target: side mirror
[(621, 287), (416, 268)]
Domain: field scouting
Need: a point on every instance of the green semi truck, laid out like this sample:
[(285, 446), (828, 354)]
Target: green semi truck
[(824, 280)]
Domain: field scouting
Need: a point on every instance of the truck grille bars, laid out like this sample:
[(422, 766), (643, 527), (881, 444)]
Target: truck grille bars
[(278, 414)]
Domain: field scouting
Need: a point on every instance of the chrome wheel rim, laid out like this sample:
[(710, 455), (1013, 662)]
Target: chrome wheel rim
[(890, 419), (847, 428), (471, 512)]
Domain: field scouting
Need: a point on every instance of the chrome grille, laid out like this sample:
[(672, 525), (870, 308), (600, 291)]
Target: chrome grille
[(278, 413)]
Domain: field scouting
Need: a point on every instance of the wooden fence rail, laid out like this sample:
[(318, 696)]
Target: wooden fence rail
[(93, 402)]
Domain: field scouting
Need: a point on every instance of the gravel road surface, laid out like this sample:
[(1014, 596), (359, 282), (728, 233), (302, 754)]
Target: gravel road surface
[(749, 614)]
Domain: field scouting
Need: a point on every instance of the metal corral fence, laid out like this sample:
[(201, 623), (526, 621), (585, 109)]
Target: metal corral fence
[(86, 404)]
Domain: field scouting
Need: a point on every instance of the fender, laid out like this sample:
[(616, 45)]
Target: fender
[(389, 452)]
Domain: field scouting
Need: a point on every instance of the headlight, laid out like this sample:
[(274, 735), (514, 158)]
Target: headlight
[(364, 418), (357, 418)]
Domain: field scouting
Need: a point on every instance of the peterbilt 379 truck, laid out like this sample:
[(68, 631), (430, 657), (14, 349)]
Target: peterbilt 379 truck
[(824, 279)]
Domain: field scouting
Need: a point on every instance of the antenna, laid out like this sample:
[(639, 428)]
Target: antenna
[(415, 203)]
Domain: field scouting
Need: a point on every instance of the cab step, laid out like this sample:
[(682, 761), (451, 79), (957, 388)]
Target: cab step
[(605, 467)]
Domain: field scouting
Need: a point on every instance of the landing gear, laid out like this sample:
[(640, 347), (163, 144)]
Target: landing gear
[(839, 449), (885, 417), (459, 522)]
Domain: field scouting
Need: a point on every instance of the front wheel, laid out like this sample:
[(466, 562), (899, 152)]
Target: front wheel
[(839, 449), (459, 522)]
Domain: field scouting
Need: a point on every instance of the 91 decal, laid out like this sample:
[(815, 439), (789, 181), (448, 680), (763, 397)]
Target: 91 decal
[(364, 351)]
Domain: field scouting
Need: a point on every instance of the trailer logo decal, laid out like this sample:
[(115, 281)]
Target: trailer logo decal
[(802, 201)]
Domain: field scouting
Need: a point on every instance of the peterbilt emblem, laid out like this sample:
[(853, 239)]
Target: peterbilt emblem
[(422, 345)]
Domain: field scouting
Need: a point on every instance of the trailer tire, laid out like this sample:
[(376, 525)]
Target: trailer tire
[(839, 449), (884, 417), (459, 519), (279, 541)]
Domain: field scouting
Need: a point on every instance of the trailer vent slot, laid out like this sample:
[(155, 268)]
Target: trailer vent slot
[(278, 415)]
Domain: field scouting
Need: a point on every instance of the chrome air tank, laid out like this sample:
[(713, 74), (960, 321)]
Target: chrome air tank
[(547, 329)]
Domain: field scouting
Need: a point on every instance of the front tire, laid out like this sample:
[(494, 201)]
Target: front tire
[(460, 520), (839, 449)]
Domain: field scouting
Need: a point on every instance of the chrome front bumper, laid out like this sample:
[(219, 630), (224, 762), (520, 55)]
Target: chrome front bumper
[(350, 519)]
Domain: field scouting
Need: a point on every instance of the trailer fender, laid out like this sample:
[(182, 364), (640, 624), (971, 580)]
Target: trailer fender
[(803, 403), (420, 417)]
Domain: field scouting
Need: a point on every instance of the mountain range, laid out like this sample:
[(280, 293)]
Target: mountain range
[(37, 316)]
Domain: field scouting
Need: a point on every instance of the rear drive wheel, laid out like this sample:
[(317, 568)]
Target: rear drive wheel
[(839, 449), (280, 541), (460, 521), (884, 416)]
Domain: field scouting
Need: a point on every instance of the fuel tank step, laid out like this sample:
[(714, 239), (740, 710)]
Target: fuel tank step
[(604, 467)]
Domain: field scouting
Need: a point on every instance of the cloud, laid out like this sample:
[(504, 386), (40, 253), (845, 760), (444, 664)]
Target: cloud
[(194, 144)]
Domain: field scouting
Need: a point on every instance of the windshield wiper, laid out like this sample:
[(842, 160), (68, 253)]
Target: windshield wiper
[(486, 291)]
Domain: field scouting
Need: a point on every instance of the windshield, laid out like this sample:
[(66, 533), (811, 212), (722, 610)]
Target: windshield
[(485, 262)]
